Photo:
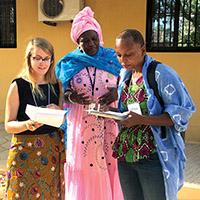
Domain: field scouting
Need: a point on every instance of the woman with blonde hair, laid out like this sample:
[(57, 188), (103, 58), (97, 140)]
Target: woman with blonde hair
[(36, 156)]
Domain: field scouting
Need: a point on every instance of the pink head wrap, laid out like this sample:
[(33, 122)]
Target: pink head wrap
[(84, 21)]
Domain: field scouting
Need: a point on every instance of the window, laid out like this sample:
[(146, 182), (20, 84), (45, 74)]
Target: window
[(173, 25), (7, 23)]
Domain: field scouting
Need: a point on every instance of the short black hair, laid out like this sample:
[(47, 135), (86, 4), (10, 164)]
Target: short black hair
[(133, 34)]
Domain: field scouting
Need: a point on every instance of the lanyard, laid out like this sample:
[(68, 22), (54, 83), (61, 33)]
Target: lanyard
[(92, 83), (34, 99)]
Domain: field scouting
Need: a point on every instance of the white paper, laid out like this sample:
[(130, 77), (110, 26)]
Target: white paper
[(51, 117), (108, 114), (135, 107)]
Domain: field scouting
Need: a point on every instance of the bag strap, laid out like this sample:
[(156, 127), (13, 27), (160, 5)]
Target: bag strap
[(152, 82), (153, 85)]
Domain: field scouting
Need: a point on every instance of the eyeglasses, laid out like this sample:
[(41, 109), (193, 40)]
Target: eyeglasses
[(38, 59)]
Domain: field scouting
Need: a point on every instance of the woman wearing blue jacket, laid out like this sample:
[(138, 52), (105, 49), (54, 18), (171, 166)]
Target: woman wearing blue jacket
[(150, 166)]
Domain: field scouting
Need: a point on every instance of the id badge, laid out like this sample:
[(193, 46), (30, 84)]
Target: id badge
[(135, 107), (92, 106)]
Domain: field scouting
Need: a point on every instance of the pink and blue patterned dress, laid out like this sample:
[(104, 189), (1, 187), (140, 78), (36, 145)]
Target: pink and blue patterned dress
[(91, 171)]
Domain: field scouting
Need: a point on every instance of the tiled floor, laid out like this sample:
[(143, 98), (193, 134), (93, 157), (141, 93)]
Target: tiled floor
[(192, 171), (5, 140)]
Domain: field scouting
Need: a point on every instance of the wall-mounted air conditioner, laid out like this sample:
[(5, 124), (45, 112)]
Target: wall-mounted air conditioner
[(58, 10)]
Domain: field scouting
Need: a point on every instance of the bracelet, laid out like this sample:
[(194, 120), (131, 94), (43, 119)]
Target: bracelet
[(69, 99)]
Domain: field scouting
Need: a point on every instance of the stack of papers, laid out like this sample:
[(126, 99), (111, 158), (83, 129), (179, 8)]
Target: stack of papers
[(108, 114), (51, 117)]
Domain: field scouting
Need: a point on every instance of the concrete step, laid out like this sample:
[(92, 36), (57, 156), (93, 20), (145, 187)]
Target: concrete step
[(189, 192)]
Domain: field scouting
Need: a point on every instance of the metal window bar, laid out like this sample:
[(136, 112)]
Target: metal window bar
[(173, 25), (165, 21), (189, 25), (170, 33), (196, 25), (7, 23), (177, 9), (149, 23), (183, 22), (158, 34)]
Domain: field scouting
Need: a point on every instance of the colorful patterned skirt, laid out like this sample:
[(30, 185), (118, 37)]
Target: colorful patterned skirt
[(35, 167)]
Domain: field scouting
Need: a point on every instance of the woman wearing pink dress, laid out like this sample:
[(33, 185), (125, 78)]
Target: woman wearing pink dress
[(89, 75)]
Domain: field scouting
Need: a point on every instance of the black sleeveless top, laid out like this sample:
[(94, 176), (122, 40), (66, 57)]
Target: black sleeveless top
[(26, 97)]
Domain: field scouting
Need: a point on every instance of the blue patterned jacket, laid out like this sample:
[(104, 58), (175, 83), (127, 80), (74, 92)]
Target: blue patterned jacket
[(179, 105)]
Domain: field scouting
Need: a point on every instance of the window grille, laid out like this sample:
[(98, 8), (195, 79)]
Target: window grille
[(173, 25), (7, 23)]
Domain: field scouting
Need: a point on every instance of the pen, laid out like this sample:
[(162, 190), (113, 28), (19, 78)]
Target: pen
[(98, 108), (33, 126)]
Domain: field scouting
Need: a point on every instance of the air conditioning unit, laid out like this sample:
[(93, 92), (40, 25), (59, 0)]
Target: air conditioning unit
[(58, 10)]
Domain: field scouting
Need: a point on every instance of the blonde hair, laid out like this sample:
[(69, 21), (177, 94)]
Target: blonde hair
[(27, 71)]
